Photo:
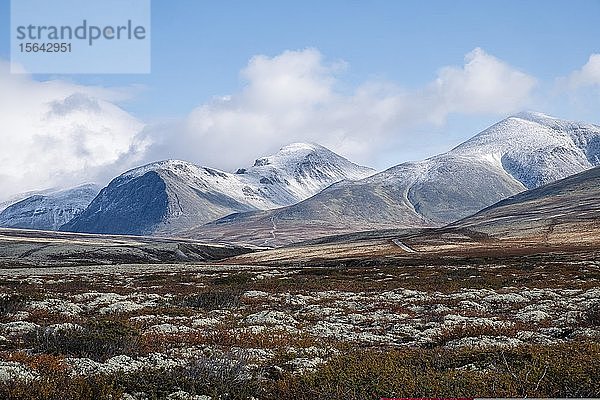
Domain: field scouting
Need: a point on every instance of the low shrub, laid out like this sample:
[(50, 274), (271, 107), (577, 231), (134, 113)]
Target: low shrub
[(237, 279), (55, 382), (225, 377), (592, 314), (566, 370), (98, 340), (212, 300), (12, 302)]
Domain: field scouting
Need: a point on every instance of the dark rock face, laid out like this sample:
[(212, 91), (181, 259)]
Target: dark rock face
[(131, 208)]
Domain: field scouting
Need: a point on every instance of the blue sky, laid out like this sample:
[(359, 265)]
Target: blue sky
[(200, 48)]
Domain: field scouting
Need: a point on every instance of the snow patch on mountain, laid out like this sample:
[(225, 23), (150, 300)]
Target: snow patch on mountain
[(48, 211), (172, 195), (535, 148), (521, 152)]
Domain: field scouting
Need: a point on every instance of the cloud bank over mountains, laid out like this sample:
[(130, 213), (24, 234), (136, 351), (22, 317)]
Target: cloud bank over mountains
[(57, 133), (295, 96)]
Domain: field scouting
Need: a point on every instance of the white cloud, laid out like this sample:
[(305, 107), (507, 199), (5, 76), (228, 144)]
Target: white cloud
[(484, 85), (294, 96), (588, 75), (56, 133)]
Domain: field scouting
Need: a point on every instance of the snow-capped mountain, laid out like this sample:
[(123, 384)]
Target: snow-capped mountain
[(170, 196), (50, 210), (521, 152), (535, 148), (301, 170), (15, 198)]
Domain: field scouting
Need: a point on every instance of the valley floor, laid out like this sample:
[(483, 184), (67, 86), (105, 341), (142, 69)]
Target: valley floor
[(521, 326)]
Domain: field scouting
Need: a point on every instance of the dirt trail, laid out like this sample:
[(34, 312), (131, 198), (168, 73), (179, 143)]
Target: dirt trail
[(404, 247)]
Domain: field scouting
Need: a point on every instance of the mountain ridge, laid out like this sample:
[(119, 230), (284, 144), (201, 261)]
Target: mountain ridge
[(50, 209), (181, 194), (561, 207), (521, 152)]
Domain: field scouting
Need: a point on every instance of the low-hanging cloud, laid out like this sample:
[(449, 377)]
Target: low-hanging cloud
[(295, 96), (56, 133)]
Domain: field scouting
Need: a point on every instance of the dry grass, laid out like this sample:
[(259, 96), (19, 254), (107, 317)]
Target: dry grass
[(571, 370)]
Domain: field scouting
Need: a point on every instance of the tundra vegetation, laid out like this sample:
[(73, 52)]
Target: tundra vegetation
[(460, 327)]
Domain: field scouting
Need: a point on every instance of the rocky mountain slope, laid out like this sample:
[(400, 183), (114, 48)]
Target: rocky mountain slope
[(521, 152), (565, 211), (170, 196), (50, 210)]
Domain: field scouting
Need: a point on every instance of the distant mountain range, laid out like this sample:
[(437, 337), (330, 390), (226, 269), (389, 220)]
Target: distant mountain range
[(12, 199), (169, 197), (561, 217), (306, 191), (50, 210), (521, 152)]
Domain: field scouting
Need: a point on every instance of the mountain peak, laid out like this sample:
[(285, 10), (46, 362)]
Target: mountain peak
[(535, 148), (163, 164), (533, 116), (301, 146), (293, 153), (529, 130), (172, 195), (302, 161), (170, 164), (298, 155), (553, 122)]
